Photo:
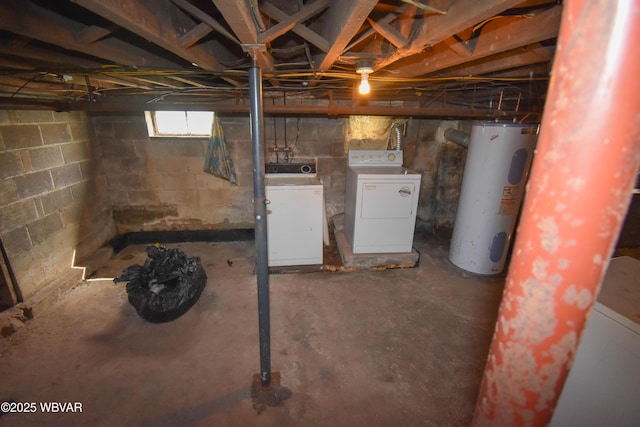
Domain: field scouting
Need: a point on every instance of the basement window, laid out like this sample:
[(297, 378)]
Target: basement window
[(179, 123)]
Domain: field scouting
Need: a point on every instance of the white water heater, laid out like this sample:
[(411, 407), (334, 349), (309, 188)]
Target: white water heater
[(495, 175)]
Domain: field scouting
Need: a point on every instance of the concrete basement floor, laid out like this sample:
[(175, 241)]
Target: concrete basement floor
[(362, 348)]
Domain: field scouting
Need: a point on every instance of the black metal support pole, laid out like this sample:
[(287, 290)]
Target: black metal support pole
[(260, 212)]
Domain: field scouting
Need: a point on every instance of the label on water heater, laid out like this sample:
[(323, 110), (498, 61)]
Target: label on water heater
[(508, 200)]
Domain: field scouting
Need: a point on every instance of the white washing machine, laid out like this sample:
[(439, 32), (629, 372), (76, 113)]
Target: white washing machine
[(381, 200), (295, 211)]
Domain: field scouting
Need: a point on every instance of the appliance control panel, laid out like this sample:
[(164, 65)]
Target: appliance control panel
[(375, 158), (291, 168)]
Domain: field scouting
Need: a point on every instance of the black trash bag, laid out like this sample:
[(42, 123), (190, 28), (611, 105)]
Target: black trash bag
[(166, 286)]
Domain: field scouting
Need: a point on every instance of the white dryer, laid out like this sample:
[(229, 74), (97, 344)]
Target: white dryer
[(381, 200)]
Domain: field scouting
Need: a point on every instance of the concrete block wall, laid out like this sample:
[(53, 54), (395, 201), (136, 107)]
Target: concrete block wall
[(158, 183), (318, 139), (442, 165), (53, 195)]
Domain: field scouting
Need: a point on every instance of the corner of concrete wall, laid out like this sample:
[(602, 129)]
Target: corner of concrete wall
[(53, 194), (441, 163)]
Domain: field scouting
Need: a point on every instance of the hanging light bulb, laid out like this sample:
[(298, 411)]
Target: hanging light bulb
[(364, 87)]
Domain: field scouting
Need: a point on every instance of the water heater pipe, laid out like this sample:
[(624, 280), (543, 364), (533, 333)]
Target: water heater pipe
[(457, 136), (587, 157)]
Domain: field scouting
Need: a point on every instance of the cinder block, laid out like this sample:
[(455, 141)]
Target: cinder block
[(56, 200), (16, 241), (170, 164), (179, 197), (133, 129), (33, 184), (237, 129), (8, 191), (81, 131), (332, 166), (141, 215), (117, 148), (72, 215), (103, 129), (30, 116), (174, 147), (4, 117), (177, 181), (124, 164), (45, 158), (55, 133), (41, 229), (69, 116), (119, 197), (143, 198), (17, 214), (21, 136), (10, 164), (126, 182), (66, 175), (91, 168), (337, 149), (206, 181), (75, 152)]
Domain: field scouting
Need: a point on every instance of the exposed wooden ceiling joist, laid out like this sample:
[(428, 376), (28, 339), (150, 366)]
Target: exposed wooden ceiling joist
[(435, 28), (47, 56), (507, 60), (241, 19), (153, 25), (498, 36), (36, 22), (311, 36), (343, 21), (305, 48), (204, 18), (291, 21)]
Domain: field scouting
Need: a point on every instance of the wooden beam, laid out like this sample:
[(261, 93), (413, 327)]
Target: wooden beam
[(239, 17), (397, 13), (291, 21), (94, 33), (435, 28), (520, 57), (459, 47), (187, 81), (153, 25), (343, 20), (406, 19), (498, 36), (203, 17), (192, 36), (309, 35), (388, 32), (47, 56), (38, 23)]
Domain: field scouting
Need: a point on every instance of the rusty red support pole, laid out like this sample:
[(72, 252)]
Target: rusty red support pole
[(587, 158)]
